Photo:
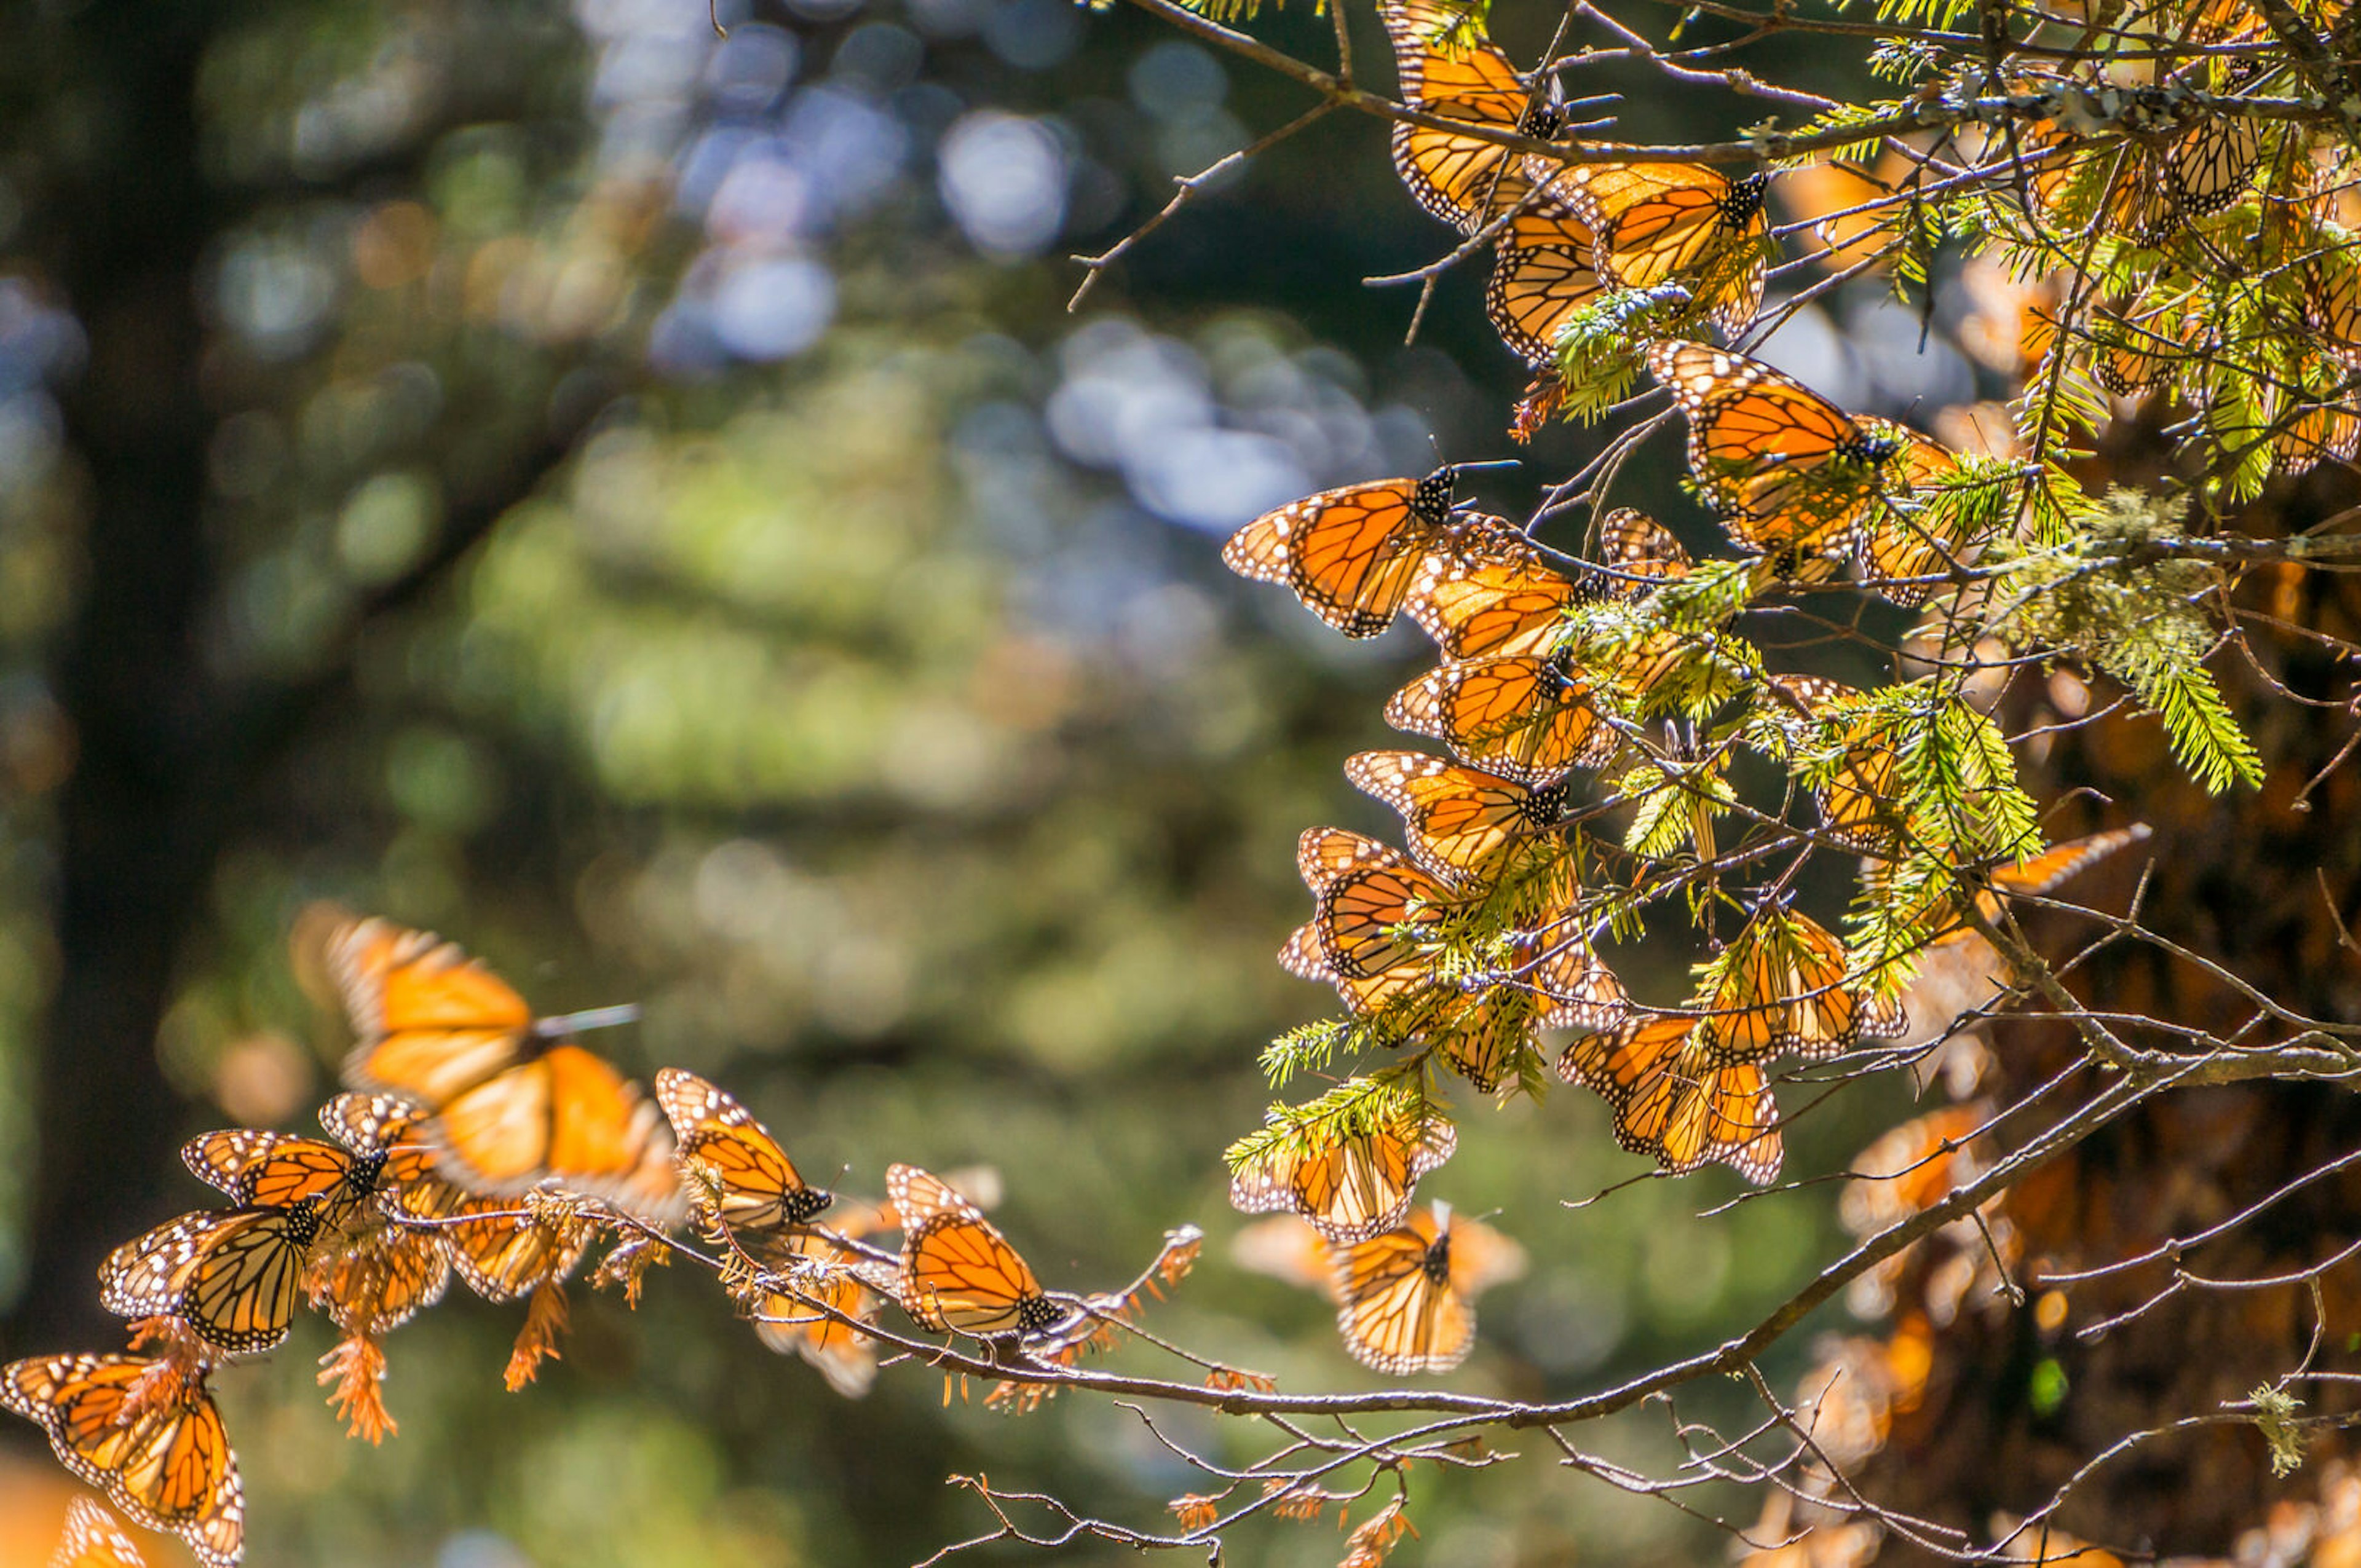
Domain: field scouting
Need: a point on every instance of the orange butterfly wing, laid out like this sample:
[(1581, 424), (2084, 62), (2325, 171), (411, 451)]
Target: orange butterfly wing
[(958, 1273), (1350, 554), (1527, 718), (1639, 553), (1397, 1310), (1352, 1186), (1459, 820), (431, 1022), (844, 1355), (1668, 1100), (155, 1445), (1542, 275), (761, 1193), (1487, 591), (509, 1110), (1903, 544), (1660, 223), (1787, 991), (232, 1276), (1790, 472), (1370, 918), (1450, 69), (93, 1538)]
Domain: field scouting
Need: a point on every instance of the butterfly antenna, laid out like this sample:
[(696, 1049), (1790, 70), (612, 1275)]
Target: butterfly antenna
[(1488, 463), (589, 1018)]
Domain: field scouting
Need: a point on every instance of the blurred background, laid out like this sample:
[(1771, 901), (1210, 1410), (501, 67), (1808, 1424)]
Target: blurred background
[(636, 501)]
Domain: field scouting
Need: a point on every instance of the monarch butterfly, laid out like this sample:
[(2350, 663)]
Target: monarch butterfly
[(1790, 472), (1576, 990), (146, 1435), (1961, 973), (1670, 1100), (2332, 295), (1459, 822), (1349, 1183), (1371, 917), (2145, 189), (1859, 800), (2125, 186), (93, 1538), (1525, 718), (1399, 1006), (1541, 276), (1638, 552), (376, 1274), (1683, 223), (958, 1273), (2129, 355), (1350, 554), (274, 1170), (1906, 546), (2319, 433), (1483, 1037), (232, 1276), (510, 1108), (500, 1252), (827, 1272), (760, 1192), (1911, 1167), (1784, 989), (2211, 164), (1450, 69), (1489, 591), (1325, 857), (1406, 1298)]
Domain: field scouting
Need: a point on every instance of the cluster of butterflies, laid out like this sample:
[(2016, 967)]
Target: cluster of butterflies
[(481, 1141), (1494, 844), (1692, 244), (1476, 934), (1490, 833), (1565, 234), (2170, 316)]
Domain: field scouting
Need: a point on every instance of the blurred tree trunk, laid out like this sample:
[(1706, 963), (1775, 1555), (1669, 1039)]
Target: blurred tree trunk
[(173, 751), (123, 234), (2264, 883)]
